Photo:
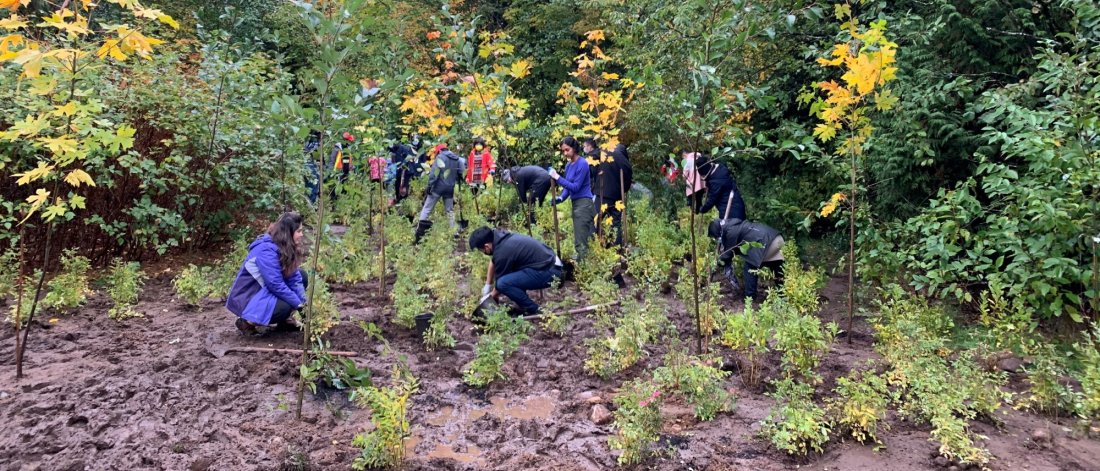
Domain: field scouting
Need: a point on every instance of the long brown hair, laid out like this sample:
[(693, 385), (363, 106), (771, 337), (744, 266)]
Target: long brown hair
[(282, 233)]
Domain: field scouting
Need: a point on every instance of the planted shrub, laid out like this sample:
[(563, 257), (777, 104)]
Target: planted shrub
[(194, 284), (124, 281), (637, 421), (796, 424), (69, 289)]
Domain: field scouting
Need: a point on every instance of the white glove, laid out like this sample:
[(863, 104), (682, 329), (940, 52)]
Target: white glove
[(485, 290), (554, 174), (722, 223)]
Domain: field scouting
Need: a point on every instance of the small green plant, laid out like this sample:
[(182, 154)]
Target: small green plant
[(437, 335), (796, 425), (859, 408), (556, 323), (325, 314), (1047, 392), (334, 371), (384, 446), (124, 281), (636, 327), (194, 284), (697, 380), (637, 421), (69, 289), (502, 337), (1089, 352), (804, 340), (748, 333)]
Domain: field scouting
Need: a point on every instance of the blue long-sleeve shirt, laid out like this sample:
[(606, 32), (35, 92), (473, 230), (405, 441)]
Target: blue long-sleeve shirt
[(577, 183)]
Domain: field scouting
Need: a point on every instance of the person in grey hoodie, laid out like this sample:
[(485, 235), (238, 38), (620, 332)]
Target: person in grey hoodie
[(442, 178)]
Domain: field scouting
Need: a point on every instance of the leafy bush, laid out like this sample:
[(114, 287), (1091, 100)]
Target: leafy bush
[(637, 421), (697, 380), (796, 425), (384, 445), (502, 337), (860, 405), (194, 284), (1089, 352), (69, 289), (636, 326), (748, 332), (123, 283)]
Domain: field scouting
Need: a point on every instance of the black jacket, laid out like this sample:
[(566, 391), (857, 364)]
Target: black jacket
[(514, 252), (720, 184), (531, 179), (737, 232), (606, 184)]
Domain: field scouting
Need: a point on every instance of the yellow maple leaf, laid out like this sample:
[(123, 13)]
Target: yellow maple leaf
[(62, 145), (36, 200), (619, 205), (573, 119), (78, 27), (831, 205), (30, 59), (68, 109), (34, 174), (135, 42), (77, 177), (610, 76), (826, 131), (13, 22), (595, 35), (110, 47), (520, 68)]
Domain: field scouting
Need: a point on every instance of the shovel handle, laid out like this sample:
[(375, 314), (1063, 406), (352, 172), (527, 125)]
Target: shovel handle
[(580, 310), (285, 350)]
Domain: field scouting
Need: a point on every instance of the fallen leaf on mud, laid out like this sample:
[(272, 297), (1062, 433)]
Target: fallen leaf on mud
[(174, 341), (54, 320)]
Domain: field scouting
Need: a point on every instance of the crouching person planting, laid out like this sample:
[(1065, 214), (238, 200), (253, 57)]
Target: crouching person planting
[(519, 264), (764, 249), (270, 285)]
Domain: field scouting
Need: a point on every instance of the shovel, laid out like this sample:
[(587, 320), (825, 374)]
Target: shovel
[(218, 351), (580, 310)]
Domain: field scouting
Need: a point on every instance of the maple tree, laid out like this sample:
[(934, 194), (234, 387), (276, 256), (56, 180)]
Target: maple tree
[(867, 58)]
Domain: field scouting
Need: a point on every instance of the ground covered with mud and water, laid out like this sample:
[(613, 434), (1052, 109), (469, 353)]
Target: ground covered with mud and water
[(147, 393)]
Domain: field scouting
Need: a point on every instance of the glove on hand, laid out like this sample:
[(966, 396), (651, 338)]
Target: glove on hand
[(485, 290)]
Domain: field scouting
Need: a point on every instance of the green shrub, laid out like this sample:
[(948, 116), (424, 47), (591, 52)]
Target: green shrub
[(502, 337), (796, 424), (69, 289), (697, 380), (124, 281), (637, 421), (860, 405), (194, 284)]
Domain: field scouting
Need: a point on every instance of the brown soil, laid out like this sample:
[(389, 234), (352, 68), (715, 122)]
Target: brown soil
[(146, 394)]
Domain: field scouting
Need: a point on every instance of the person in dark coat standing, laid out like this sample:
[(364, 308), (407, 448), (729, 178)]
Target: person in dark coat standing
[(520, 264), (764, 249), (613, 176), (716, 179), (403, 160)]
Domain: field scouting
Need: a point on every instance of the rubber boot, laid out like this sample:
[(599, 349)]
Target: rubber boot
[(421, 229)]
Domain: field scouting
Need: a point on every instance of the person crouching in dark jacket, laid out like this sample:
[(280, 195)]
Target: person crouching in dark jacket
[(764, 251), (519, 264), (532, 184), (270, 286), (721, 188)]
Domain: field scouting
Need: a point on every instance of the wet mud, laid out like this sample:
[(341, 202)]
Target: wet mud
[(148, 394)]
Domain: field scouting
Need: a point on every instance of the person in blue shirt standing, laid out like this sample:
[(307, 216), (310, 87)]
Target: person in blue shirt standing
[(577, 187)]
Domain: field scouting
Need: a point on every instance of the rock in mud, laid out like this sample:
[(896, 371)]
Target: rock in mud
[(1011, 364), (600, 415), (941, 462), (1041, 436), (202, 464)]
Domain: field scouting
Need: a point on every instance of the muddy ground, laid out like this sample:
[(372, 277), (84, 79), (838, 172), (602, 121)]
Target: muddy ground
[(147, 394)]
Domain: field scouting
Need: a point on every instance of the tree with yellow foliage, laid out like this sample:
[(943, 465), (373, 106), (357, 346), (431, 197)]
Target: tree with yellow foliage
[(867, 60), (61, 125)]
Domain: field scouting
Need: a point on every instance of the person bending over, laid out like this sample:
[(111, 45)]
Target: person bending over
[(519, 264), (532, 184), (270, 285), (765, 249)]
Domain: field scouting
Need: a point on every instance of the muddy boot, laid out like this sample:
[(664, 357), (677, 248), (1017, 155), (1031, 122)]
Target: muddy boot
[(421, 229)]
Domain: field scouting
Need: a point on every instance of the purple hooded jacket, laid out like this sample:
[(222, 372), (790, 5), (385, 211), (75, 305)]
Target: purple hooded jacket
[(260, 284)]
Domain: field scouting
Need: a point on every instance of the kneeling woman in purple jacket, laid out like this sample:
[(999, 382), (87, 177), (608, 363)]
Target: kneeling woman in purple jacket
[(270, 285)]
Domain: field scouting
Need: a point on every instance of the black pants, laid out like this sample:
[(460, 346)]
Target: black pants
[(283, 310)]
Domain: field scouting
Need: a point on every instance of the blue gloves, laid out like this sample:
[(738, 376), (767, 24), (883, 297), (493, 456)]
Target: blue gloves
[(557, 200)]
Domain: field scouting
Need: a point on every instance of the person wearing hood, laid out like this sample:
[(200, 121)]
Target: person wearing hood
[(270, 285), (442, 179), (764, 249), (520, 264), (577, 184), (700, 172), (403, 163)]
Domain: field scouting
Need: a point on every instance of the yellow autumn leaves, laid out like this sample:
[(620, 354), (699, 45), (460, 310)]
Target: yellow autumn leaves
[(595, 102)]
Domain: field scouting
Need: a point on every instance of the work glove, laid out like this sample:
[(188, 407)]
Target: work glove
[(485, 290), (728, 273), (555, 201), (554, 173)]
